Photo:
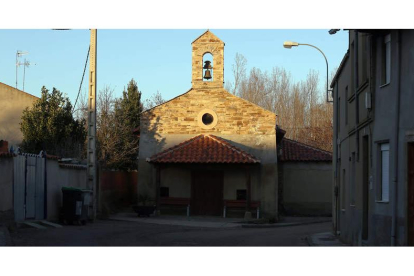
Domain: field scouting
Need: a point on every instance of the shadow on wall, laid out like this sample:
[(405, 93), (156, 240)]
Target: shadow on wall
[(151, 142), (10, 129)]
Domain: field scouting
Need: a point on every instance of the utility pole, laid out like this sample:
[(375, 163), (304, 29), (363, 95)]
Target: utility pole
[(91, 150)]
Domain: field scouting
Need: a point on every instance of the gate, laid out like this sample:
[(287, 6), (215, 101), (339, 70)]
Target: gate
[(29, 187)]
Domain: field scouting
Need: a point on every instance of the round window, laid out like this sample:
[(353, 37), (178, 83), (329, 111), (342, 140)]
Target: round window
[(207, 119)]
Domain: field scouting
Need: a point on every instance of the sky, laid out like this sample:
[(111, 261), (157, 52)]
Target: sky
[(159, 60)]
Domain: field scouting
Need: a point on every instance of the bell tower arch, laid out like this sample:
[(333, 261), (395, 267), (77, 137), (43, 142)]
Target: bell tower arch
[(209, 44)]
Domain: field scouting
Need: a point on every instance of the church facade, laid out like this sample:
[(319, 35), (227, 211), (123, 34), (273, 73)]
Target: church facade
[(208, 150)]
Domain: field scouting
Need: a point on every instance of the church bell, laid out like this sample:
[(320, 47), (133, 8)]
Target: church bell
[(207, 75), (207, 66)]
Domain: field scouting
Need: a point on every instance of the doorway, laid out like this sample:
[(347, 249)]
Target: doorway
[(365, 187), (410, 188), (207, 193)]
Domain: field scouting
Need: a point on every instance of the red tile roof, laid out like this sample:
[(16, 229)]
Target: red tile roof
[(204, 149), (296, 151), (52, 157), (73, 166)]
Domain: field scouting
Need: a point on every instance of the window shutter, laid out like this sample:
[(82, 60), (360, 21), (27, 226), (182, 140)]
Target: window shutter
[(385, 172)]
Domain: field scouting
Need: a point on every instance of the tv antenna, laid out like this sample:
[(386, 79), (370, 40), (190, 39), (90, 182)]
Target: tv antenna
[(26, 63), (19, 54)]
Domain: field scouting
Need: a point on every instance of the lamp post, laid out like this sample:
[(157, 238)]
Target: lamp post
[(290, 44)]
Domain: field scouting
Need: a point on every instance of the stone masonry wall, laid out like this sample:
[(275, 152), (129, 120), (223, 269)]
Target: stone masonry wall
[(234, 115)]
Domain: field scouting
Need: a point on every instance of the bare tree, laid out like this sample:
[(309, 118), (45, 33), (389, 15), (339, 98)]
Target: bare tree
[(239, 71), (301, 106), (81, 111), (154, 100), (106, 132)]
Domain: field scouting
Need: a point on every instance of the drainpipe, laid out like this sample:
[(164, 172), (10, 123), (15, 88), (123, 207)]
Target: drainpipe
[(336, 188), (396, 136), (356, 81)]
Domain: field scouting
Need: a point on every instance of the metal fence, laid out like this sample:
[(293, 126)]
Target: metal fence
[(29, 187)]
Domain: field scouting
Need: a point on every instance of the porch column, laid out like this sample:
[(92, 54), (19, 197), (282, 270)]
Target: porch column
[(248, 190), (157, 187), (248, 214)]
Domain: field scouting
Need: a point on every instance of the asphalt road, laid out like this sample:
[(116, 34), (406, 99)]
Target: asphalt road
[(120, 233)]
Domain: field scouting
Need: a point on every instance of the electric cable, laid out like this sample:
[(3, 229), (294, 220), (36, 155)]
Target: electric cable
[(80, 86)]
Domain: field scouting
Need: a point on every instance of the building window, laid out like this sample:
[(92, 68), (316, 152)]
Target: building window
[(207, 119), (241, 195), (362, 58), (164, 191), (386, 60), (385, 172)]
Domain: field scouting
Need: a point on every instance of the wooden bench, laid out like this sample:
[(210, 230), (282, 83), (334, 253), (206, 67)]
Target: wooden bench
[(240, 204), (176, 201)]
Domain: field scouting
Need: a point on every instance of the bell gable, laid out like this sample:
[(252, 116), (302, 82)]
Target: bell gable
[(210, 44)]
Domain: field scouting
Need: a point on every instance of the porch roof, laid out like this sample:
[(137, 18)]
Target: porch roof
[(204, 149), (296, 151)]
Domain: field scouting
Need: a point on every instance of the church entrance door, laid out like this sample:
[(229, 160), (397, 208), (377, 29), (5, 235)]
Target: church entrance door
[(207, 193)]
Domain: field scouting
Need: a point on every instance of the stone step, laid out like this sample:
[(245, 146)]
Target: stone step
[(48, 223), (34, 225)]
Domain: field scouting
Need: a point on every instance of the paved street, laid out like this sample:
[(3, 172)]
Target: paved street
[(125, 233)]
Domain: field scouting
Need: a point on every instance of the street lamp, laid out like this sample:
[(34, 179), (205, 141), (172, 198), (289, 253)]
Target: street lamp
[(290, 44)]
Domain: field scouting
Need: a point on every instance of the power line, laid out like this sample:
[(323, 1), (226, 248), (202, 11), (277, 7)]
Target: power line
[(80, 86)]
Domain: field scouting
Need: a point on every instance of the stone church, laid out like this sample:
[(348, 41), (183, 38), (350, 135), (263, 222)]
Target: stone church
[(207, 151)]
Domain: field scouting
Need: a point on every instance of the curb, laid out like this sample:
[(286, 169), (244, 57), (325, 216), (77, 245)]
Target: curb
[(324, 239), (276, 225), (178, 223)]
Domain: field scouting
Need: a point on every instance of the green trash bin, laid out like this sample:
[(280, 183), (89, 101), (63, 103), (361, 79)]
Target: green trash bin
[(75, 205)]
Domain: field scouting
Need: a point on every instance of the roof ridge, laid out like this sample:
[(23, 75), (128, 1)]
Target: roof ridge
[(19, 90), (180, 145), (208, 30), (205, 141), (228, 145), (308, 146), (167, 101), (254, 104)]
